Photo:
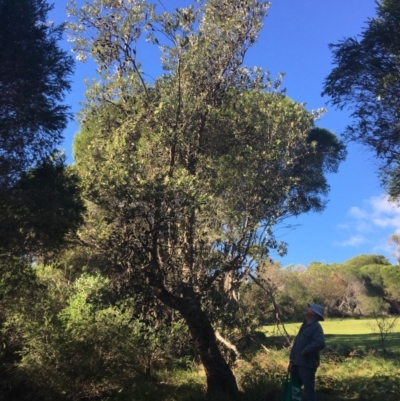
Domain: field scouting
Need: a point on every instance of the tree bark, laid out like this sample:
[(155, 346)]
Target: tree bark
[(220, 378)]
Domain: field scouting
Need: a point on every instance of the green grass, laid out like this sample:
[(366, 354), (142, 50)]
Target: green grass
[(353, 366), (337, 326), (356, 334), (352, 369)]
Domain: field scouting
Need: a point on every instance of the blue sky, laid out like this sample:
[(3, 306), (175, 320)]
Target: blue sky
[(358, 219)]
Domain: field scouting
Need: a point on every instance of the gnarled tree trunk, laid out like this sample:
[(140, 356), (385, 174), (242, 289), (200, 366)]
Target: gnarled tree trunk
[(220, 378)]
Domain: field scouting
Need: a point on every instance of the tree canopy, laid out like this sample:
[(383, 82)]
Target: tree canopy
[(34, 76), (366, 79), (39, 199), (187, 175)]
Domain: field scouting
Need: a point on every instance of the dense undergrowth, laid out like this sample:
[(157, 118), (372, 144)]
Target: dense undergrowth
[(345, 374), (342, 376), (68, 340)]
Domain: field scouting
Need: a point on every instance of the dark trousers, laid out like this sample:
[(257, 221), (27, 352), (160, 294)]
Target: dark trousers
[(306, 377)]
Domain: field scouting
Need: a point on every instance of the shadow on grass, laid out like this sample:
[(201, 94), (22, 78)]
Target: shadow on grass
[(353, 369), (361, 342), (164, 391), (259, 339), (364, 343), (264, 385), (376, 388)]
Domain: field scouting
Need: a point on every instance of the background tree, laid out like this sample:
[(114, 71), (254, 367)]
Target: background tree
[(394, 240), (34, 76), (187, 176), (368, 268), (325, 284), (366, 79), (384, 325), (260, 297), (391, 284), (294, 294), (355, 291), (357, 262), (39, 199)]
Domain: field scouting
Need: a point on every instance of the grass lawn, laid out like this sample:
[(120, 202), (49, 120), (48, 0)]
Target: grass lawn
[(357, 334), (353, 366)]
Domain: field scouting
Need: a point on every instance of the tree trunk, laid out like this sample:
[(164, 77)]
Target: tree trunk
[(220, 378)]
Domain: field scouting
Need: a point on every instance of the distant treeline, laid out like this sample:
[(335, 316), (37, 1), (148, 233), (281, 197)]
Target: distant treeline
[(362, 286)]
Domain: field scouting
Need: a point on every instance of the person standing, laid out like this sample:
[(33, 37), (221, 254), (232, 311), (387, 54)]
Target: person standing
[(304, 355)]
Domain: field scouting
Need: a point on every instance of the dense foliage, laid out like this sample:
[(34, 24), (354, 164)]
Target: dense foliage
[(366, 79), (187, 175), (184, 178), (40, 203), (67, 336), (34, 76), (39, 197), (39, 211)]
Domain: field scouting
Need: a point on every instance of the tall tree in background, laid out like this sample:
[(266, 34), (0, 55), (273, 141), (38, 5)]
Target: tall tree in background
[(39, 199), (34, 76), (366, 79), (394, 240), (187, 175)]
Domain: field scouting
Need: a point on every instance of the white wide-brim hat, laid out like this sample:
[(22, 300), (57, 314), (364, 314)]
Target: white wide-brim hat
[(318, 310)]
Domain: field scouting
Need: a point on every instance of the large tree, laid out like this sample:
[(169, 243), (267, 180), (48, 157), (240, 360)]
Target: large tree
[(186, 175), (34, 76), (39, 199), (366, 79)]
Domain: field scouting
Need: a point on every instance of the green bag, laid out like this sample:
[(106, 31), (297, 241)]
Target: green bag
[(291, 390)]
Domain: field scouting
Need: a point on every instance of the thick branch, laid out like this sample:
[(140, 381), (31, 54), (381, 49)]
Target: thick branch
[(276, 306)]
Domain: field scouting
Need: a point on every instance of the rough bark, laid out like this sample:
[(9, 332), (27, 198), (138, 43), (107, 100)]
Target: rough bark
[(220, 378)]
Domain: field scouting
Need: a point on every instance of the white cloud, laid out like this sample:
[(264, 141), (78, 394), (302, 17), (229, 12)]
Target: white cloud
[(357, 213), (372, 223), (381, 205), (383, 246), (387, 222), (376, 212), (364, 226), (353, 241)]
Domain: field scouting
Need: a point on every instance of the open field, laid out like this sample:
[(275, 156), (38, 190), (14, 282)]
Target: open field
[(359, 334), (337, 326)]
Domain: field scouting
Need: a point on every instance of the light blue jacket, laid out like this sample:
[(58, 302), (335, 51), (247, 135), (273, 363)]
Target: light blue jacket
[(310, 340)]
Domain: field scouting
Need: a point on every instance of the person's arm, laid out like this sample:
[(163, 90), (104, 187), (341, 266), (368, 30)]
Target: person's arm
[(291, 355), (318, 341)]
